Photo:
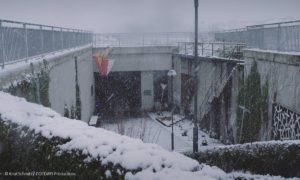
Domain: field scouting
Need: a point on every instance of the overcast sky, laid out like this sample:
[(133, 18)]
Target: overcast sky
[(148, 15)]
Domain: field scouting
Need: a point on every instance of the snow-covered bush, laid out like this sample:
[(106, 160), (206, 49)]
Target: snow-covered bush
[(34, 87), (252, 110), (271, 157), (35, 138)]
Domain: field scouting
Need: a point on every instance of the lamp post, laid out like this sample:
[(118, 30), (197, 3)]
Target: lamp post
[(195, 130), (172, 73)]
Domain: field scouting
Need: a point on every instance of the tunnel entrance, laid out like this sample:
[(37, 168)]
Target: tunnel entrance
[(119, 92)]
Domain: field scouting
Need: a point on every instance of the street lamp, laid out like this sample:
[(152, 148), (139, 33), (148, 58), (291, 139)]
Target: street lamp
[(195, 133), (172, 73)]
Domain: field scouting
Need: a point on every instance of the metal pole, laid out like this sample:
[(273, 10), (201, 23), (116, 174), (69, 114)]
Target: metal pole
[(26, 43), (172, 109), (2, 45), (212, 49), (42, 40), (52, 28), (278, 37), (38, 90), (195, 134), (61, 38)]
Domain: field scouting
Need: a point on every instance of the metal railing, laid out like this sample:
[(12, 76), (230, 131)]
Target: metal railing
[(20, 41), (147, 39), (227, 50), (283, 36)]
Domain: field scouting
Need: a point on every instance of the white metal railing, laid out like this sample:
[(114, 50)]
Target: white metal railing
[(227, 50), (147, 39), (282, 36), (20, 41)]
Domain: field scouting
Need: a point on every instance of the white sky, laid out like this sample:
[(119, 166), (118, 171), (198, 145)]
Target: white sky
[(148, 15)]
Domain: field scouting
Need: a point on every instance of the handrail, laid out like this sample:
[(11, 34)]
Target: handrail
[(20, 41), (41, 25)]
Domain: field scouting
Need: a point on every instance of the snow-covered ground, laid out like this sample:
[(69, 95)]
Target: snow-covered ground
[(151, 130), (154, 161), (186, 126)]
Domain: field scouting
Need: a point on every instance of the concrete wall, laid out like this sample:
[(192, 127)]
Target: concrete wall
[(151, 58), (62, 79), (147, 90), (217, 94), (282, 71), (62, 83)]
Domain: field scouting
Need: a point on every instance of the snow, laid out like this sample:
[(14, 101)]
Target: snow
[(107, 174), (149, 131), (154, 161), (96, 142), (247, 145), (165, 117), (182, 125), (93, 120), (292, 53)]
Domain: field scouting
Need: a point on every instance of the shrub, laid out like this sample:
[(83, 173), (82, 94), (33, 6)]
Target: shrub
[(274, 157)]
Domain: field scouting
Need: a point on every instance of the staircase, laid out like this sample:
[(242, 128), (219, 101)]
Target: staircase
[(213, 93)]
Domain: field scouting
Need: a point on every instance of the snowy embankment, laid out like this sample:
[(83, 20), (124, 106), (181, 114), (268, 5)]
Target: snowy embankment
[(140, 160)]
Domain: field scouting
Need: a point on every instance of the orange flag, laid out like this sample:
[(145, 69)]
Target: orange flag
[(103, 64)]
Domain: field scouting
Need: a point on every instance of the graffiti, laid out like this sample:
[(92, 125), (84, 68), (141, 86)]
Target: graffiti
[(286, 123)]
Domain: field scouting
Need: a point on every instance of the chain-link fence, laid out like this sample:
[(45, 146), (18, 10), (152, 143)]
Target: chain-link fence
[(283, 36), (20, 41)]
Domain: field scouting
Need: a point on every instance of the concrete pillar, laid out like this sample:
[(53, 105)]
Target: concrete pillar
[(147, 90)]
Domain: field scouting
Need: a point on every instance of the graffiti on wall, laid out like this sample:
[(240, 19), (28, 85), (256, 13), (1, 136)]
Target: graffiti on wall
[(286, 123)]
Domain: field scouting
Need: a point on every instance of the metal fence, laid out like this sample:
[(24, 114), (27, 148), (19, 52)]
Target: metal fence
[(148, 39), (213, 49), (283, 36), (20, 41)]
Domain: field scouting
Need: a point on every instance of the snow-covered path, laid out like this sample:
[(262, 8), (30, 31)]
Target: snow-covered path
[(149, 131)]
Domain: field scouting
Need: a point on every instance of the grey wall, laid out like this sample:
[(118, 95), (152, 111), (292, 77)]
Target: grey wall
[(62, 79), (282, 71), (149, 58), (217, 93), (62, 83)]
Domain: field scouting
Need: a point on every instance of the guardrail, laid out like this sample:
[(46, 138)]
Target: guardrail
[(20, 41), (147, 39), (228, 50), (282, 36)]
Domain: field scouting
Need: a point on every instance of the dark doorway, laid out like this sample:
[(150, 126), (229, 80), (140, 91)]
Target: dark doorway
[(119, 92)]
